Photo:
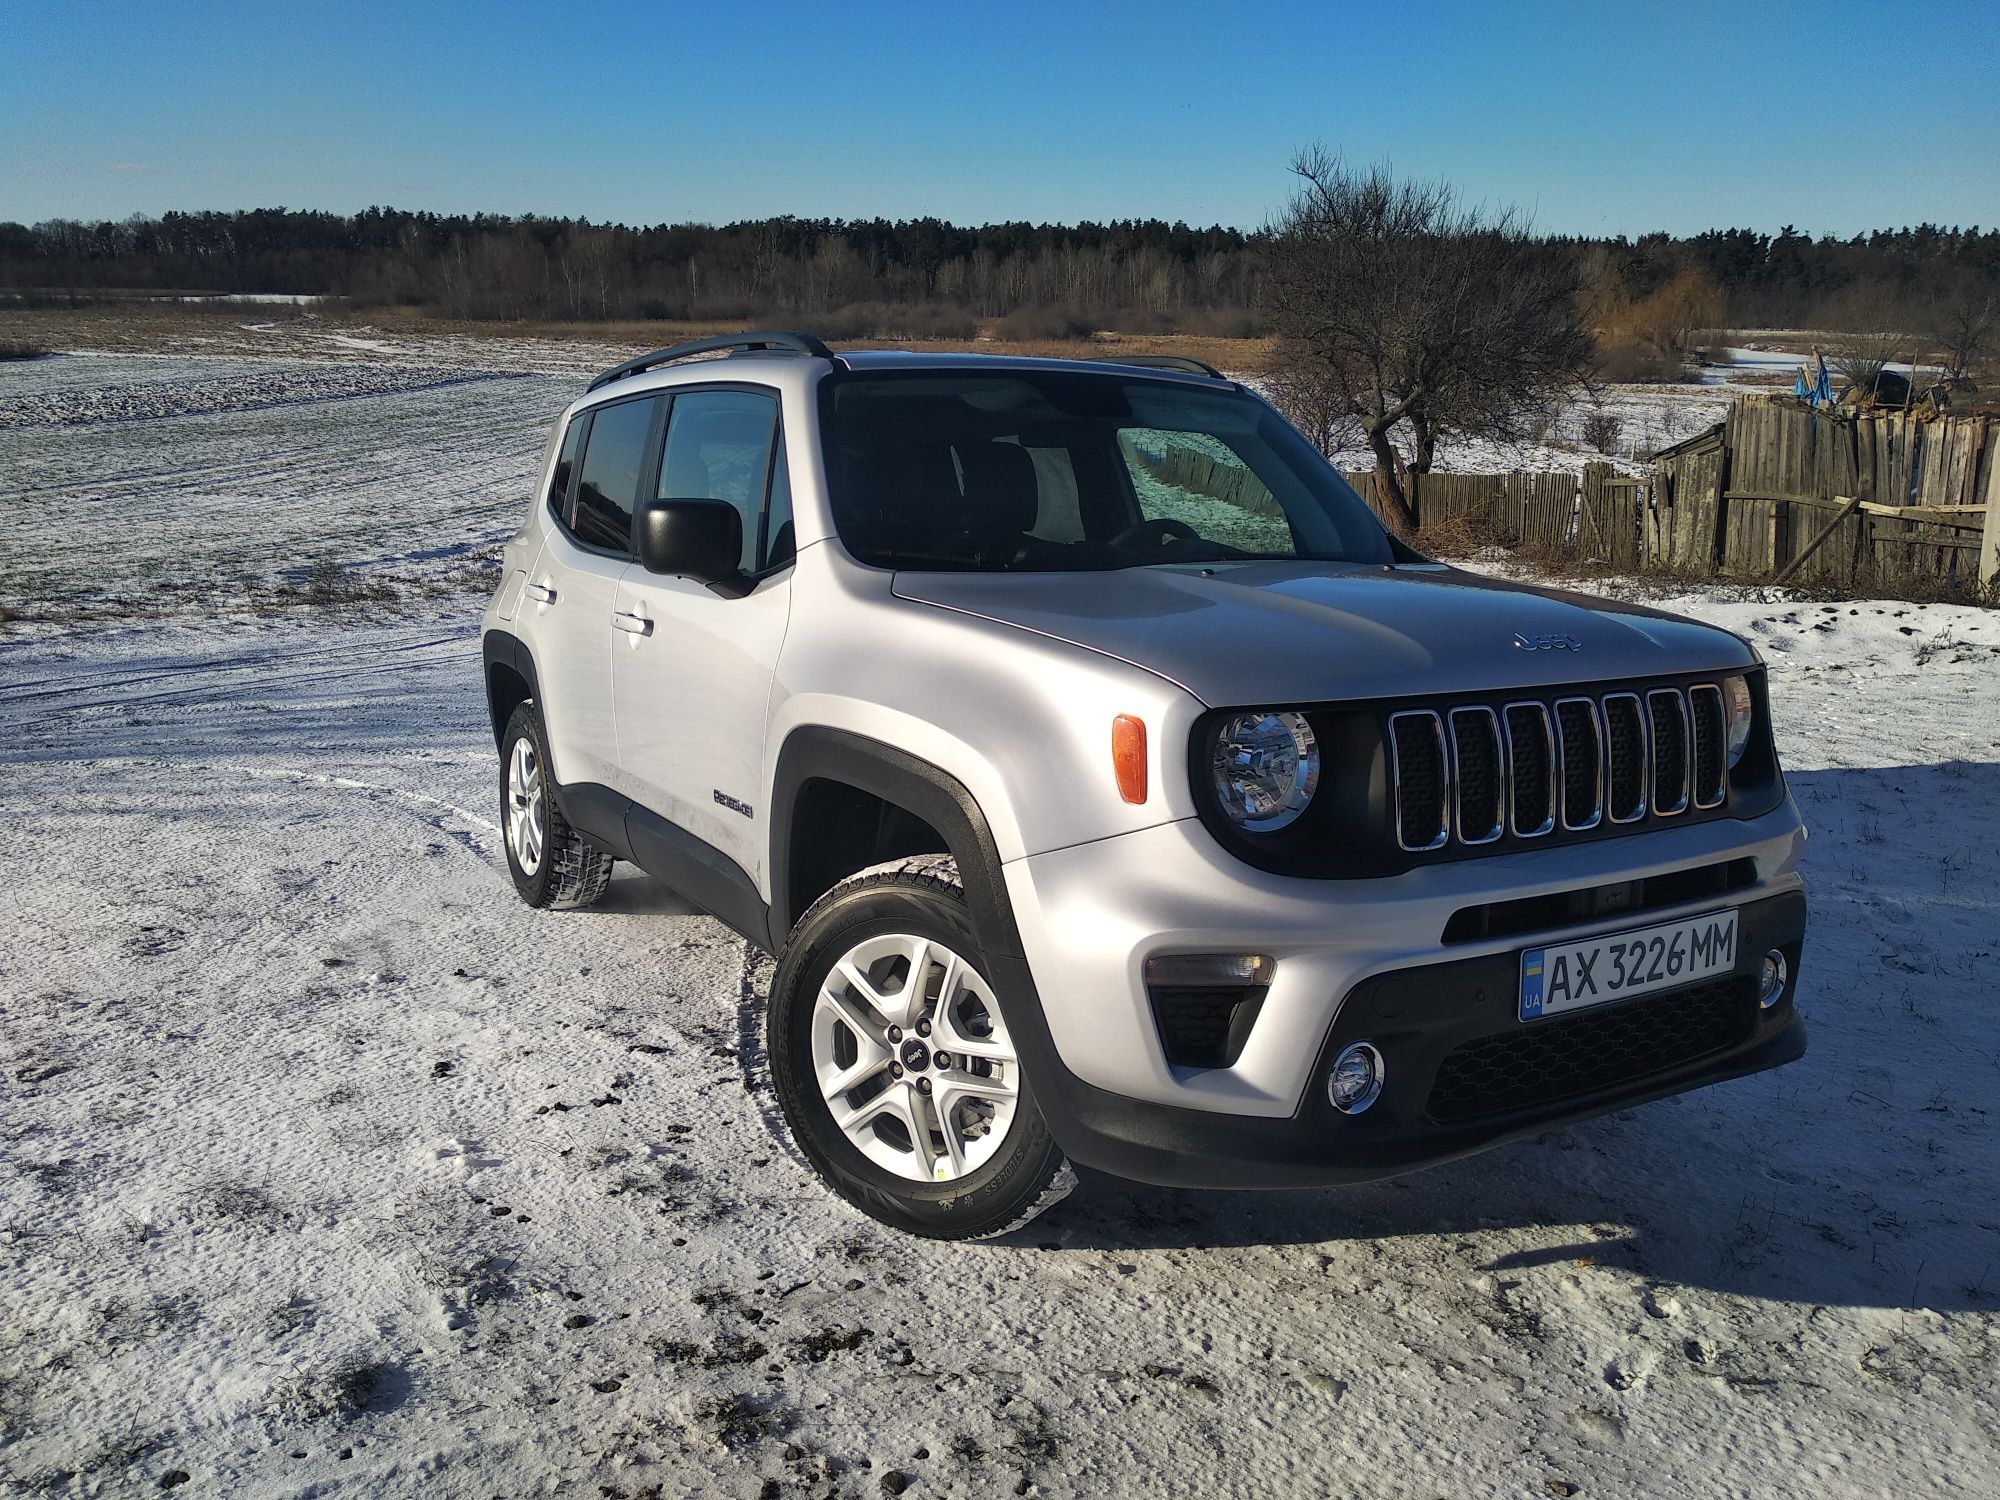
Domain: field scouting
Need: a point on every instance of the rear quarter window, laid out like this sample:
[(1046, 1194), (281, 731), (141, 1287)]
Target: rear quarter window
[(565, 469)]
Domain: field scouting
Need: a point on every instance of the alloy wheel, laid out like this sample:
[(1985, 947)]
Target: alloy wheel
[(912, 1058), (526, 828)]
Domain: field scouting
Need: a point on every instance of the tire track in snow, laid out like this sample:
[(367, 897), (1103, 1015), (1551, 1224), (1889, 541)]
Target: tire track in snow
[(257, 662)]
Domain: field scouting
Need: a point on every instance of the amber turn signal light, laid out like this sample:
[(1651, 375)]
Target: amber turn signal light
[(1128, 756)]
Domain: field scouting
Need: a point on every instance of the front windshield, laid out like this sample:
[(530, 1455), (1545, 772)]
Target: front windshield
[(1027, 471)]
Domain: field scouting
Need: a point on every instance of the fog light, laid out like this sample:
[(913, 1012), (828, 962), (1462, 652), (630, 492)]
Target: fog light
[(1771, 983), (1356, 1079)]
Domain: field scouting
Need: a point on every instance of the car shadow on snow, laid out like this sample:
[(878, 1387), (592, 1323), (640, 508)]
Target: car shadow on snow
[(632, 893), (1866, 1174)]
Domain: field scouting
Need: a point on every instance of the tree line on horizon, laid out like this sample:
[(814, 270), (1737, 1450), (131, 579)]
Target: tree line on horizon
[(925, 277)]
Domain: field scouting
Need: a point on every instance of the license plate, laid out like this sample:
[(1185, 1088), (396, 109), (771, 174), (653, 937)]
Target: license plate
[(1571, 976)]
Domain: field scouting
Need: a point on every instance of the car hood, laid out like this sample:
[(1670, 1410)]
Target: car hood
[(1272, 632)]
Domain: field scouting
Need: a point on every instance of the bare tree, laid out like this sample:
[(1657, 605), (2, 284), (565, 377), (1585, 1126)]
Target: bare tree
[(1863, 357), (1965, 321), (1398, 309), (1669, 319)]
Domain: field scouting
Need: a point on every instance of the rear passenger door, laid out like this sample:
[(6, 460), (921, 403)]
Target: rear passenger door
[(575, 586), (693, 690)]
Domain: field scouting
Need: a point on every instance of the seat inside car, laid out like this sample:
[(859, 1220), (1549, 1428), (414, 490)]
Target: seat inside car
[(1002, 496)]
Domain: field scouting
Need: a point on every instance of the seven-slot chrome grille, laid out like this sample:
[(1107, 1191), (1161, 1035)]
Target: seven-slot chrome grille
[(1470, 775)]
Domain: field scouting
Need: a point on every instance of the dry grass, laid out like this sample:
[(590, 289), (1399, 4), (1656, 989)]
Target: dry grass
[(145, 327), (1621, 362), (1907, 586), (1563, 565), (1236, 355), (1556, 561), (1462, 535)]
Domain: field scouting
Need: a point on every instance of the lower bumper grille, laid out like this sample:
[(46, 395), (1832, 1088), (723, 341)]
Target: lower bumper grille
[(1205, 1028), (1550, 1061)]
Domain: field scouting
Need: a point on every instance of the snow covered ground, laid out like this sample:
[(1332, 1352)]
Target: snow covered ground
[(327, 1168), (141, 485)]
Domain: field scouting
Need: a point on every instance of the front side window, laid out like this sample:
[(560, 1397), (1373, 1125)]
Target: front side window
[(1025, 470), (719, 448), (614, 458)]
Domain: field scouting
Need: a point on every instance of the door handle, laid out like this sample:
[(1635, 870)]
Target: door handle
[(541, 593), (632, 624)]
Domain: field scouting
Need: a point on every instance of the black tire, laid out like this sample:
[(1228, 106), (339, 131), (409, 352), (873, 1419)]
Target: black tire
[(570, 871), (1027, 1174)]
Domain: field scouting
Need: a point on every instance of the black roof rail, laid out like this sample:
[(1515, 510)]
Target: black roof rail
[(1178, 362), (739, 343)]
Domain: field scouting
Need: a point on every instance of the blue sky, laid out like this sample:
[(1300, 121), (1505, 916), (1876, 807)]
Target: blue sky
[(1599, 118)]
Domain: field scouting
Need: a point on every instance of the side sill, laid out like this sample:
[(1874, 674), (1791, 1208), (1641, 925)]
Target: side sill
[(671, 855), (699, 871)]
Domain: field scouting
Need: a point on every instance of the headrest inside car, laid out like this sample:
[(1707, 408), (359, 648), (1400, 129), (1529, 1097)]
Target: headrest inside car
[(1002, 494)]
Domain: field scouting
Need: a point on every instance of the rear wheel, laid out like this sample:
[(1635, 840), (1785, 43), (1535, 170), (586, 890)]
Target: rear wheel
[(894, 1066), (552, 864)]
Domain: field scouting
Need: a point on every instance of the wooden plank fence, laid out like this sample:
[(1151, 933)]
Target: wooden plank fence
[(1747, 497), (1908, 496), (1597, 514)]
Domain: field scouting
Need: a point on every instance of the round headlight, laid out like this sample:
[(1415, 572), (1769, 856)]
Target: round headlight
[(1266, 767), (1737, 713)]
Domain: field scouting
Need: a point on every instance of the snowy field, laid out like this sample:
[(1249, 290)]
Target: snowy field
[(1647, 416), (327, 1168)]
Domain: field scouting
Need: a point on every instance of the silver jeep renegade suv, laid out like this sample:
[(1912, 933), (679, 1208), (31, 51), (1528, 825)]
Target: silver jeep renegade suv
[(1113, 788)]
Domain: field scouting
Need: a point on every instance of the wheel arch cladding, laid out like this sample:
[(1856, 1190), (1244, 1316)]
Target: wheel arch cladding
[(942, 802), (838, 830), (814, 757), (509, 671)]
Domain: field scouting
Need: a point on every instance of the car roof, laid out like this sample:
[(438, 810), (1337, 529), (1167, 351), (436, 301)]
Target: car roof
[(911, 359), (787, 370)]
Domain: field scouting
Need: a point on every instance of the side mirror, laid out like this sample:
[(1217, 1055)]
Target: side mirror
[(698, 539)]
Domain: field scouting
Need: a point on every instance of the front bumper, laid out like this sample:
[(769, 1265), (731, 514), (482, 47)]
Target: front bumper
[(1088, 917), (1418, 1018)]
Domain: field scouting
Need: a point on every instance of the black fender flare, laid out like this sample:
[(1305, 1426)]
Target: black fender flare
[(817, 753), (597, 812), (500, 648)]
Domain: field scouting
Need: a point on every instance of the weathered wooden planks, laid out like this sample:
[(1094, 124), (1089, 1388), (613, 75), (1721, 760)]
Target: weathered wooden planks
[(1783, 460), (1745, 499)]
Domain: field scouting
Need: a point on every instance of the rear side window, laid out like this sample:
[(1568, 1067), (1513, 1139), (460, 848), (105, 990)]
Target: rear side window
[(614, 457), (719, 448), (565, 469)]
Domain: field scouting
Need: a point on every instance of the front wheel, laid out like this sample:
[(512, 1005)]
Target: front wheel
[(894, 1066)]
